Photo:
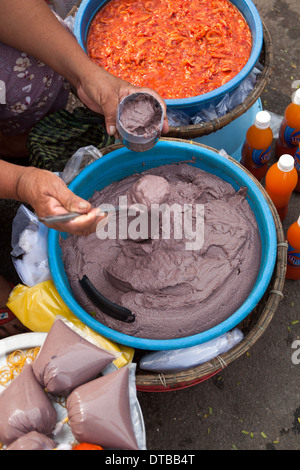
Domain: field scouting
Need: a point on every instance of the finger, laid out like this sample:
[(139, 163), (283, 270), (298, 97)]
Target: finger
[(165, 127), (64, 200)]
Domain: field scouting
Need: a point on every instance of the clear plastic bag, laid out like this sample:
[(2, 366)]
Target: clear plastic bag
[(81, 158), (29, 248), (276, 121), (182, 359)]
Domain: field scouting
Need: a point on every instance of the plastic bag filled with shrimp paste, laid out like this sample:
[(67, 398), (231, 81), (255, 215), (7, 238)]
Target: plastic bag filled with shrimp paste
[(25, 407), (105, 412), (67, 360)]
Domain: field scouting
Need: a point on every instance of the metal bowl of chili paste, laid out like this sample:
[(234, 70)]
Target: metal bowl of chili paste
[(89, 9)]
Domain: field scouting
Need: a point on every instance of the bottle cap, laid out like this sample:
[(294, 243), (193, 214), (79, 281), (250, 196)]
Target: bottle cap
[(296, 97), (262, 120), (286, 162)]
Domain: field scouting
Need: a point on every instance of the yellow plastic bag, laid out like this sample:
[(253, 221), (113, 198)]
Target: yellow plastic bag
[(37, 307)]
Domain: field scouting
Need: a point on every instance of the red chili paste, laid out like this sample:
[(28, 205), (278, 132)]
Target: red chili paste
[(180, 48)]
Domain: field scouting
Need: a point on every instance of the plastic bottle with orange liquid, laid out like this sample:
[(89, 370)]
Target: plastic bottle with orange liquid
[(293, 256), (297, 166), (289, 131), (256, 151), (281, 180)]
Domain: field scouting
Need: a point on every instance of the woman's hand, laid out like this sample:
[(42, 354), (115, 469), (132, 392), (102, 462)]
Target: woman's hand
[(48, 195), (101, 92)]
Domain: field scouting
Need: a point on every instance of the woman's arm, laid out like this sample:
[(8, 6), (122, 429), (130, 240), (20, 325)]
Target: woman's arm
[(30, 25)]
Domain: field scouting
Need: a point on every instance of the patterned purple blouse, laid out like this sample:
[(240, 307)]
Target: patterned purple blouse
[(29, 90)]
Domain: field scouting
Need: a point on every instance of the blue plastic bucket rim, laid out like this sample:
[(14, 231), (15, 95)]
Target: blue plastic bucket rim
[(241, 313), (212, 95)]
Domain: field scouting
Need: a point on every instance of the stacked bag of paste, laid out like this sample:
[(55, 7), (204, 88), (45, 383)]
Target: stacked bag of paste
[(67, 360), (101, 402), (25, 407)]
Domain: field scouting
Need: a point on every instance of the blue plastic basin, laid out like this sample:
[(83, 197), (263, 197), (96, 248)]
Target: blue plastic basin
[(191, 106), (121, 163)]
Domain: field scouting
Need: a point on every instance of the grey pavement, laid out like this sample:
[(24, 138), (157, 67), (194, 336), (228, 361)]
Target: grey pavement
[(254, 403)]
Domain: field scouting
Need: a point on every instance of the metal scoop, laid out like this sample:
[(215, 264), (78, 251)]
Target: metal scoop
[(53, 219)]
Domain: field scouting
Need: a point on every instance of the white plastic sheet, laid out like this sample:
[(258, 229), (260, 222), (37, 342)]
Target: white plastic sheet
[(29, 243), (186, 358)]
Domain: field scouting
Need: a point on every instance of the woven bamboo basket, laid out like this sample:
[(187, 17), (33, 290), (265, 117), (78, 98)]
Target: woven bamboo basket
[(205, 128), (252, 327)]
